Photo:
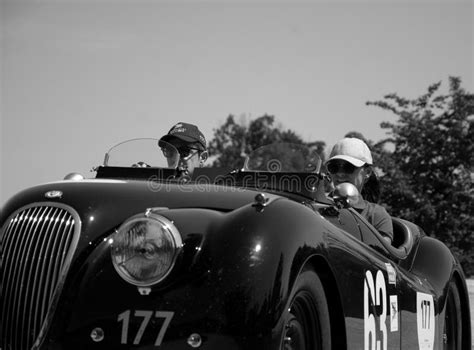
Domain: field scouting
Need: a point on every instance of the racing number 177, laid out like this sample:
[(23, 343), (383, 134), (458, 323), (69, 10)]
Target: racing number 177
[(146, 316)]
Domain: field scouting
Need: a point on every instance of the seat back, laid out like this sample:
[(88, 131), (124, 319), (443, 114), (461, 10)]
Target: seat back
[(402, 235)]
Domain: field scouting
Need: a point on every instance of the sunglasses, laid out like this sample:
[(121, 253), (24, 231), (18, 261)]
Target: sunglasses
[(184, 153), (341, 167)]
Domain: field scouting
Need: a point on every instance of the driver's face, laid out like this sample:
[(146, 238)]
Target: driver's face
[(346, 172), (189, 158)]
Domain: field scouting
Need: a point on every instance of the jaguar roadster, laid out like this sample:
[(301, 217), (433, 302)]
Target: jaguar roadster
[(144, 257)]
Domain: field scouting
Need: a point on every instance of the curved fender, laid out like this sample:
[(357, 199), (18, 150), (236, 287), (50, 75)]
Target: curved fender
[(435, 262), (254, 257)]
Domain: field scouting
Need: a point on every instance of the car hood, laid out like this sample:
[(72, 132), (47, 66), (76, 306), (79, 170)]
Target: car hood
[(103, 205), (117, 200), (137, 194)]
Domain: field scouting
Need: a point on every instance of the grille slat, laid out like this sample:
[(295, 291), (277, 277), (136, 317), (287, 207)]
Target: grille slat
[(17, 284), (43, 230), (45, 274), (37, 280), (10, 272), (7, 240), (28, 276), (6, 271), (35, 264), (37, 245)]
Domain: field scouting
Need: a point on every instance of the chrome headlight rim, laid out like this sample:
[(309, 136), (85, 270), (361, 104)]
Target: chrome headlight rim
[(176, 241)]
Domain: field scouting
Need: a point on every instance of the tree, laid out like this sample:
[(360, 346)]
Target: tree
[(228, 145), (427, 178), (233, 141)]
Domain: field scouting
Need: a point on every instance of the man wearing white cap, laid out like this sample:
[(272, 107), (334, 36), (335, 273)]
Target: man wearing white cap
[(351, 161)]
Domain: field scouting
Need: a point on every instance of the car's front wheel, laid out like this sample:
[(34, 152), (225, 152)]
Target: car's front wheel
[(452, 335), (307, 325)]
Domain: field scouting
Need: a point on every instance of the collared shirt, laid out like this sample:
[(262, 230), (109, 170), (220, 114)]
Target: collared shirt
[(376, 215)]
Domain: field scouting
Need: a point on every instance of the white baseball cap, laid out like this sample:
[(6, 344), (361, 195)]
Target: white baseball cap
[(352, 150)]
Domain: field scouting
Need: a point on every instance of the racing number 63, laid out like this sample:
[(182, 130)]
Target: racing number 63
[(124, 317), (375, 293)]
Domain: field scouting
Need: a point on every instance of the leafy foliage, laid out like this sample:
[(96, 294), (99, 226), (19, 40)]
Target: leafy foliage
[(284, 157), (233, 141), (427, 178)]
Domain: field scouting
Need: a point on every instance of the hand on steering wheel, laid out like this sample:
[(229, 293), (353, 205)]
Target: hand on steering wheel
[(141, 165)]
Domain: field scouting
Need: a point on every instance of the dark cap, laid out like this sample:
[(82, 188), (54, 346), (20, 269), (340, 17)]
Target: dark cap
[(187, 133)]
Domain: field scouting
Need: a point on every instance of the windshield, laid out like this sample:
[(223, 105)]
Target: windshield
[(283, 157), (143, 153)]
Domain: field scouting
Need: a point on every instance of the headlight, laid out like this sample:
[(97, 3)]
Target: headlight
[(145, 248)]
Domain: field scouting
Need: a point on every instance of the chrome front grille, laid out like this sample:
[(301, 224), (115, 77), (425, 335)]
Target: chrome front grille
[(37, 243)]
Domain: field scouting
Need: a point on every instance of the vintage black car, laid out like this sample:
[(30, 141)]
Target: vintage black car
[(259, 258)]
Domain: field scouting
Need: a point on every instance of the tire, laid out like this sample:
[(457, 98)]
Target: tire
[(307, 325), (452, 335)]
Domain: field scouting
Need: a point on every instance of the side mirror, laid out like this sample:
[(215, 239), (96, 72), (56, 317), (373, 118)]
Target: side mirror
[(74, 177), (346, 195)]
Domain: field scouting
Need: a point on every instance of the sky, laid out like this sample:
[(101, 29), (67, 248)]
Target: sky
[(78, 77)]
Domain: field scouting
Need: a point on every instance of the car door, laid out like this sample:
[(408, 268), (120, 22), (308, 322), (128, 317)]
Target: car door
[(411, 299), (343, 219), (384, 291), (368, 286)]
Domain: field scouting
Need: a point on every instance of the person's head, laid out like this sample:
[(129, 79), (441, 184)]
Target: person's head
[(350, 161), (190, 143)]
